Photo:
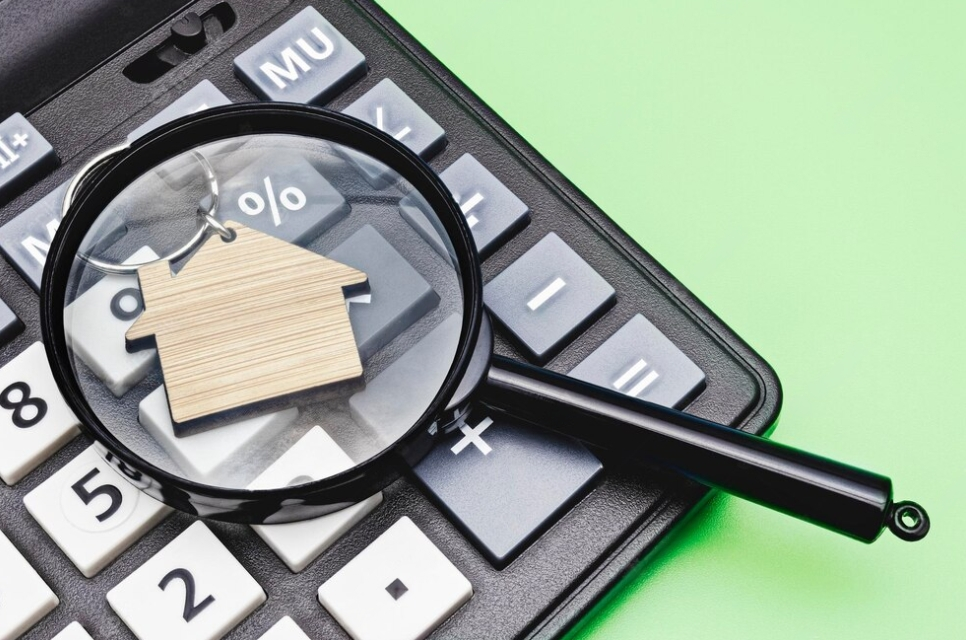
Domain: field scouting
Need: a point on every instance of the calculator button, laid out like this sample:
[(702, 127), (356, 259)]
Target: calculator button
[(73, 631), (10, 324), (547, 296), (389, 109), (284, 196), (24, 596), (399, 295), (285, 629), (492, 211), (193, 589), (24, 155), (97, 321), (92, 512), (210, 454), (35, 422), (402, 391), (305, 60), (25, 240), (203, 95), (641, 362), (400, 586), (314, 456), (504, 483)]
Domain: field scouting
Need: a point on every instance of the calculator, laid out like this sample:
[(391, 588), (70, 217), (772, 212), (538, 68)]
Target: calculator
[(502, 530)]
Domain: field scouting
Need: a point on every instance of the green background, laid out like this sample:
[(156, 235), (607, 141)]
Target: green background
[(801, 168)]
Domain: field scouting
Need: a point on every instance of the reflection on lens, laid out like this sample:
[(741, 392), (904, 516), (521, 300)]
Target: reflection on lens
[(258, 314)]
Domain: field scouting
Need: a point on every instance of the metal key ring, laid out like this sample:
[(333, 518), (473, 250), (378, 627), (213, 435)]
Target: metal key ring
[(209, 221)]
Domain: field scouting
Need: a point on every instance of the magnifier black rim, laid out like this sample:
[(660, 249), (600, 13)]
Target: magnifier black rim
[(211, 126)]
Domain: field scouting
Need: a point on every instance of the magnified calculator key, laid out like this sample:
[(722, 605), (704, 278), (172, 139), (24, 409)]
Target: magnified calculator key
[(285, 629), (504, 483), (389, 109), (24, 596), (97, 321), (401, 586), (24, 156), (193, 589), (25, 240), (73, 631), (548, 296), (398, 394), (35, 422), (399, 296), (215, 453), (313, 457), (305, 60), (638, 360), (281, 194), (10, 324), (92, 512)]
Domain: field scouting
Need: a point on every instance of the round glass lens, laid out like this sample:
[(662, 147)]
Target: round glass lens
[(263, 312)]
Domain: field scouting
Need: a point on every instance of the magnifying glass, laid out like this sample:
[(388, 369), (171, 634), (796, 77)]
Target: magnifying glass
[(266, 313)]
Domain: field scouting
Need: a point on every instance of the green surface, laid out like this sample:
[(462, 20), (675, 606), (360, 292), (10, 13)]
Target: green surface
[(802, 168)]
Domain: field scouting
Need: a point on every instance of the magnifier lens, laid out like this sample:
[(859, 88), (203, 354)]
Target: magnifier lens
[(263, 311)]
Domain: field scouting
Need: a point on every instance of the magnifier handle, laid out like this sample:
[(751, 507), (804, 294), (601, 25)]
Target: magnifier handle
[(836, 496)]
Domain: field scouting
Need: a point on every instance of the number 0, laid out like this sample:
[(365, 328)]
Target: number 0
[(190, 608)]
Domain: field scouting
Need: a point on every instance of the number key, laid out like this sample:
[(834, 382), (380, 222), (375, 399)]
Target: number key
[(92, 512), (193, 589), (34, 420), (24, 596)]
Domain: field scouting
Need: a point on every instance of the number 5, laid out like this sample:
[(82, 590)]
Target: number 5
[(88, 496)]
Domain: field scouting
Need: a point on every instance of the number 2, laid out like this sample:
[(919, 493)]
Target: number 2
[(190, 608), (104, 490)]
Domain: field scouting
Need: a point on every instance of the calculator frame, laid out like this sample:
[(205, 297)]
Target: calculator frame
[(657, 525)]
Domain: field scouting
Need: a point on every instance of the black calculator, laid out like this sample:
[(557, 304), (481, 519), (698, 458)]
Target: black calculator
[(502, 531)]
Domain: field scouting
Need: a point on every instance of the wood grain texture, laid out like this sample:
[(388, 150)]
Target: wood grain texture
[(245, 321)]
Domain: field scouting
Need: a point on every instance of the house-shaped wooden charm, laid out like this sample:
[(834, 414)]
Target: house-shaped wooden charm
[(245, 321)]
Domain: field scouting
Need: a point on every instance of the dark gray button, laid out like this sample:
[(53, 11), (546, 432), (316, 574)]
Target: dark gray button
[(547, 296), (24, 156), (389, 109), (399, 295), (283, 195), (492, 211), (203, 95), (305, 60), (638, 360), (504, 483), (25, 240), (10, 324)]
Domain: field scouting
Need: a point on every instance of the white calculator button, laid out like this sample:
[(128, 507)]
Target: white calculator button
[(24, 596), (97, 320), (92, 512), (73, 631), (193, 589), (285, 629), (400, 586), (210, 454), (314, 456), (35, 421)]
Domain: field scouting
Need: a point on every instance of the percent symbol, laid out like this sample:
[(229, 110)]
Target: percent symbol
[(252, 203)]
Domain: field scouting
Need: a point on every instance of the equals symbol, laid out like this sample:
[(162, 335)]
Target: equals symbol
[(632, 372)]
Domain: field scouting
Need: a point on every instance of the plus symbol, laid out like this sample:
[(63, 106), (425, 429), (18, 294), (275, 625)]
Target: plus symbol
[(473, 435), (19, 140)]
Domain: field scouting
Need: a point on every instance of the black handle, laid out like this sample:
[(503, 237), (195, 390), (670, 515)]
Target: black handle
[(836, 496)]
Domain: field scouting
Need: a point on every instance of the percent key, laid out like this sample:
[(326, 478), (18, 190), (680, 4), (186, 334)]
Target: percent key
[(284, 196)]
